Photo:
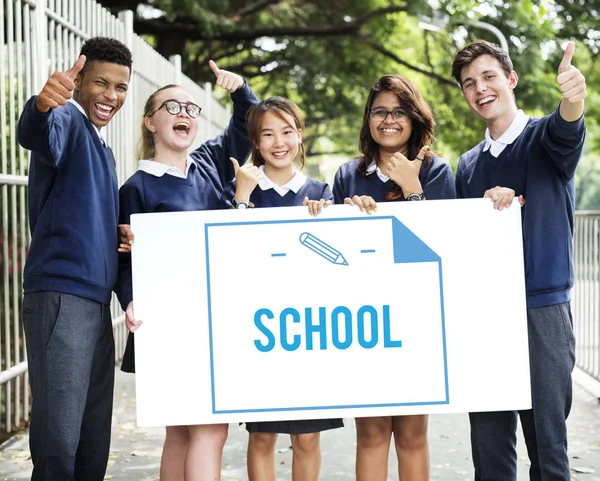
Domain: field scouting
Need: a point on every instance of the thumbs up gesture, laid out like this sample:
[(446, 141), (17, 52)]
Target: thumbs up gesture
[(247, 178), (228, 80), (570, 80), (59, 87), (405, 172)]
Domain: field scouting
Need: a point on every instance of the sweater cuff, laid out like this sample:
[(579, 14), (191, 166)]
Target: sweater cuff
[(242, 93), (566, 125)]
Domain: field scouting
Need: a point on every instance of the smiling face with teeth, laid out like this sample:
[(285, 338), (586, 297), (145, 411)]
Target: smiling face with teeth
[(279, 140), (390, 134), (100, 89), (488, 91), (174, 133)]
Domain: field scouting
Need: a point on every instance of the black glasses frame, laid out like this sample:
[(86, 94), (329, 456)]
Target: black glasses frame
[(176, 107), (372, 116)]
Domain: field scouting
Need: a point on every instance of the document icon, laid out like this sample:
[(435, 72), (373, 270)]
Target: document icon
[(315, 310)]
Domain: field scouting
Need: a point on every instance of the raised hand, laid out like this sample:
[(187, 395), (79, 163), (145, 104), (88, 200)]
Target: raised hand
[(572, 86), (59, 87), (228, 80), (247, 178), (406, 172)]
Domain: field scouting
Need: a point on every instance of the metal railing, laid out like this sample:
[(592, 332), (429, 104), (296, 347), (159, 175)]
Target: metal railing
[(38, 37), (585, 297)]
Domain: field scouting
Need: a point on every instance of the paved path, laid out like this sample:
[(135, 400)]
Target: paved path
[(135, 452)]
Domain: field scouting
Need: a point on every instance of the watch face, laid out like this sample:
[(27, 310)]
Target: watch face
[(241, 205), (415, 197)]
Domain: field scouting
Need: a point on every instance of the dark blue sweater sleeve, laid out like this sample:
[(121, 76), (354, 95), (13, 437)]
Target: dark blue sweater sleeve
[(439, 183), (563, 142), (459, 190), (233, 141), (327, 194), (339, 190), (46, 134), (131, 201)]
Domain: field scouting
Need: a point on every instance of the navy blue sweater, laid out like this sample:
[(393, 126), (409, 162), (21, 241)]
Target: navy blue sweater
[(208, 174), (313, 189), (73, 204), (540, 165), (435, 177)]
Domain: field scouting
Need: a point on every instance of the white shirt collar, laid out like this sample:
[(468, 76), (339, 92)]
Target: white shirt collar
[(99, 131), (374, 168), (508, 137), (158, 169), (294, 184)]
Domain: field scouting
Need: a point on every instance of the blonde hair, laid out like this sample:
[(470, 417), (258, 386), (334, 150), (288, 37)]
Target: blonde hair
[(146, 148)]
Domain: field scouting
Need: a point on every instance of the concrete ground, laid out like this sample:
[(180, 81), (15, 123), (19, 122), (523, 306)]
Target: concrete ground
[(135, 452)]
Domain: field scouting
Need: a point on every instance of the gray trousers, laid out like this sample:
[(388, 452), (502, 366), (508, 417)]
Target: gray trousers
[(70, 352), (493, 434)]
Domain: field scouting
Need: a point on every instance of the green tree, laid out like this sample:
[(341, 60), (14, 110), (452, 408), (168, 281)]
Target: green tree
[(325, 54)]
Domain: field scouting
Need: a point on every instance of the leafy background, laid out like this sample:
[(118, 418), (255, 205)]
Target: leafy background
[(324, 54)]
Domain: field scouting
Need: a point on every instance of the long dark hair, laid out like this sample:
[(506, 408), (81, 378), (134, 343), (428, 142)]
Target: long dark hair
[(413, 103)]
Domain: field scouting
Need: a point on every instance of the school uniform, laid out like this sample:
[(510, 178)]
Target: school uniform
[(69, 276), (435, 176), (269, 194), (156, 187), (537, 158)]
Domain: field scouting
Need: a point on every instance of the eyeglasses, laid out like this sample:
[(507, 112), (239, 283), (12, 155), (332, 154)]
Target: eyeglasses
[(174, 107), (381, 114)]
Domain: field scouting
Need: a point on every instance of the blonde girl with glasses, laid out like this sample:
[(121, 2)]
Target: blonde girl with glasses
[(169, 179)]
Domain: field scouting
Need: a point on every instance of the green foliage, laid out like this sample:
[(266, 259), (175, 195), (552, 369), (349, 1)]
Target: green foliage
[(325, 54)]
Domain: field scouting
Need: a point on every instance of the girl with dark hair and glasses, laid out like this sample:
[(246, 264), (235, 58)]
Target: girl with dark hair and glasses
[(395, 164), (169, 179)]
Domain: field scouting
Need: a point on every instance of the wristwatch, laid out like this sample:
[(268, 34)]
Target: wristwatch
[(415, 196), (240, 205)]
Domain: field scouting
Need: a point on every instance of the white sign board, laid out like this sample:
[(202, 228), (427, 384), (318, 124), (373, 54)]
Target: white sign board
[(271, 314)]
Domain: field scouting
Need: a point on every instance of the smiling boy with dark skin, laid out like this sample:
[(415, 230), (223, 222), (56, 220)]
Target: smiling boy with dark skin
[(72, 263)]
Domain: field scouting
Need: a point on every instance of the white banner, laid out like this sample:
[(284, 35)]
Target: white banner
[(270, 314)]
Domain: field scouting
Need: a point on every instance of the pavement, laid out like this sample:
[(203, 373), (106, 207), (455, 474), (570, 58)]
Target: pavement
[(135, 452)]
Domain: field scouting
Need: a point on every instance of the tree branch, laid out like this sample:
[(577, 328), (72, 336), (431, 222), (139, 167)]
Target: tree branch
[(159, 26), (379, 48), (253, 8)]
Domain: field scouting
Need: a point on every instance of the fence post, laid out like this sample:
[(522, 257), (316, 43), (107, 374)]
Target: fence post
[(127, 169), (176, 61), (40, 57)]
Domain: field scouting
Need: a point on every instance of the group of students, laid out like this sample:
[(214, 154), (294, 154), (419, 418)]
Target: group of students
[(72, 267)]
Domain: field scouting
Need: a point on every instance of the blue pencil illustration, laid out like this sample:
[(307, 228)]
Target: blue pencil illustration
[(324, 250)]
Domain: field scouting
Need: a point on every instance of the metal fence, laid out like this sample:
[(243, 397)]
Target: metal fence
[(38, 37), (586, 292)]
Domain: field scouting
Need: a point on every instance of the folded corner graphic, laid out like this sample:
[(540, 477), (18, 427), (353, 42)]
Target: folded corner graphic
[(408, 247), (323, 249)]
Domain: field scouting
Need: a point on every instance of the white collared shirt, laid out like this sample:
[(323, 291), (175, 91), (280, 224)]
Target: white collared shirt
[(99, 131), (508, 137), (294, 184), (374, 168), (158, 169)]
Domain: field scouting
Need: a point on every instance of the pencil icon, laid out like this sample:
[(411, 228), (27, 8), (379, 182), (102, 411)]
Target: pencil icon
[(324, 250)]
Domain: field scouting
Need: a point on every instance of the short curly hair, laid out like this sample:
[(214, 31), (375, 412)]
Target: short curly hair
[(104, 49)]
